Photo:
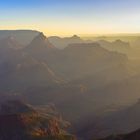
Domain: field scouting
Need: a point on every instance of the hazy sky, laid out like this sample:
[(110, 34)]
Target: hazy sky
[(67, 17)]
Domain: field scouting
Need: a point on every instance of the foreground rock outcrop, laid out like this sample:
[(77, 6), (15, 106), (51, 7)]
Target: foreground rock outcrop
[(19, 121)]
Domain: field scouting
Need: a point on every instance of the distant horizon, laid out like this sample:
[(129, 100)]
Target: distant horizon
[(80, 35), (63, 18)]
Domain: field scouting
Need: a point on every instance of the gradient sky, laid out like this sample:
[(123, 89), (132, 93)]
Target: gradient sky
[(67, 17)]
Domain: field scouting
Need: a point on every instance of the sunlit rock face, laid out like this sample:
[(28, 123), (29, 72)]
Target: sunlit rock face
[(21, 121)]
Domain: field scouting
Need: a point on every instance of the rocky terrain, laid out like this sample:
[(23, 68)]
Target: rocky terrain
[(20, 121)]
